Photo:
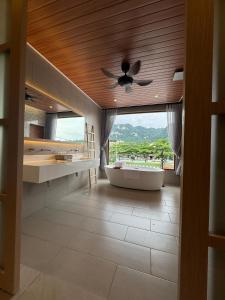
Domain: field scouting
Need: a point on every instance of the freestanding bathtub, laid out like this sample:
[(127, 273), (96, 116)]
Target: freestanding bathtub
[(139, 178)]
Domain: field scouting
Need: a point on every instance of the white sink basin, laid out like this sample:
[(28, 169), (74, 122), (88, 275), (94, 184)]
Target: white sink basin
[(39, 171)]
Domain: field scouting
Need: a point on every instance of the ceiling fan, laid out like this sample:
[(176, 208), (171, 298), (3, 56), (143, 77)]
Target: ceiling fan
[(127, 80), (29, 97)]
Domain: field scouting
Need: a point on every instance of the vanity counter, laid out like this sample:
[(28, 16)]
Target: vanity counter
[(39, 171)]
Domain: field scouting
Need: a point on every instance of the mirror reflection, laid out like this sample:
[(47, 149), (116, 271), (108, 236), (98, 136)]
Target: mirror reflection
[(47, 119)]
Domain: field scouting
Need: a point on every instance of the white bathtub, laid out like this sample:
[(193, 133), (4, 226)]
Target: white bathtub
[(139, 178)]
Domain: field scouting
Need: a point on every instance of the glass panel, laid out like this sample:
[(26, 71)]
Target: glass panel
[(216, 287), (216, 274), (1, 235), (3, 82), (4, 17), (218, 90), (2, 160)]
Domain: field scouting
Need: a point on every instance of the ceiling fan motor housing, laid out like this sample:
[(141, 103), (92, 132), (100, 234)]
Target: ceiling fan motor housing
[(125, 80)]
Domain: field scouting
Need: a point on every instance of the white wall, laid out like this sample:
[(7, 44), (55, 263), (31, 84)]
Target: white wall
[(42, 74)]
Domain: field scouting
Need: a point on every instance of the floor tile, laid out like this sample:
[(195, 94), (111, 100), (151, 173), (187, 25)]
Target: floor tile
[(100, 203), (172, 203), (90, 273), (60, 217), (82, 210), (164, 265), (133, 285), (131, 221), (101, 227), (119, 252), (27, 277), (36, 253), (152, 240), (49, 231), (50, 288), (164, 227), (151, 214), (174, 218)]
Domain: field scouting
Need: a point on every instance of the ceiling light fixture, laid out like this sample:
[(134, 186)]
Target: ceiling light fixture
[(178, 75), (50, 106), (156, 96), (115, 100)]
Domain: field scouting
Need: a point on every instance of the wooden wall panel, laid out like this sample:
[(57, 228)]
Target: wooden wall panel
[(81, 36)]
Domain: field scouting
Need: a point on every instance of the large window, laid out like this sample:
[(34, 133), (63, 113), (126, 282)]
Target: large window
[(141, 140)]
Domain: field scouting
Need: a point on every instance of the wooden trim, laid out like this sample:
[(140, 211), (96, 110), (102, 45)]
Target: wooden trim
[(4, 47), (3, 197), (4, 296), (9, 278), (217, 241), (196, 150), (217, 108), (3, 122)]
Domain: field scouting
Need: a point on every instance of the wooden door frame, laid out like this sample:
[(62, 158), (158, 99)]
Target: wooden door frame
[(195, 179), (14, 124)]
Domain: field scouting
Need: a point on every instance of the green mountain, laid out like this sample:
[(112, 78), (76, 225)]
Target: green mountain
[(129, 133)]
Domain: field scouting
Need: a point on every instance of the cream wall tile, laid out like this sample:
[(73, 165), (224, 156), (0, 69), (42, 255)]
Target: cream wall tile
[(164, 265), (153, 240), (133, 285)]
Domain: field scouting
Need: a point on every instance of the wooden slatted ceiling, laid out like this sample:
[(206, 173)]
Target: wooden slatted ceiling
[(81, 36)]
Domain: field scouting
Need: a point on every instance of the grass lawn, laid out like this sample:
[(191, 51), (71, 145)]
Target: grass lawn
[(151, 164)]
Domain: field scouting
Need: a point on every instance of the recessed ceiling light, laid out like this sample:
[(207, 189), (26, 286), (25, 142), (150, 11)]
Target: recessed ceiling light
[(115, 100), (50, 106), (156, 96), (178, 75)]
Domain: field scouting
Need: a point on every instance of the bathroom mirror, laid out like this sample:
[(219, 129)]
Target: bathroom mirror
[(49, 120)]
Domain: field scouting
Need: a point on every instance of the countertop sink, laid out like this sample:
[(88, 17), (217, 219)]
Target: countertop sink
[(38, 171)]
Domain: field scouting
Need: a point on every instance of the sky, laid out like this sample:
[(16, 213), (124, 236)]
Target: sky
[(70, 129), (148, 120)]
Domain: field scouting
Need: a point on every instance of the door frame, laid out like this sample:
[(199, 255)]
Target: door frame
[(195, 180), (13, 124)]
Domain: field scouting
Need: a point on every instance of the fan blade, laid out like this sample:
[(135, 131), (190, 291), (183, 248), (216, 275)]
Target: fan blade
[(143, 82), (109, 74), (128, 88), (113, 86), (134, 70)]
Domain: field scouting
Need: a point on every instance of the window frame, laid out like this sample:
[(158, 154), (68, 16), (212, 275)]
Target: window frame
[(141, 110)]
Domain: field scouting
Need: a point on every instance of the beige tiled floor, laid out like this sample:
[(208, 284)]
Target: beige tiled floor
[(107, 243)]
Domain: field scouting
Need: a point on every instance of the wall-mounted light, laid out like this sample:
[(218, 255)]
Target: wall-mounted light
[(115, 100), (156, 96), (178, 75), (50, 106)]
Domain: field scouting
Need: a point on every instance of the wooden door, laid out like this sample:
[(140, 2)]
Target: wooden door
[(199, 140), (12, 50)]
